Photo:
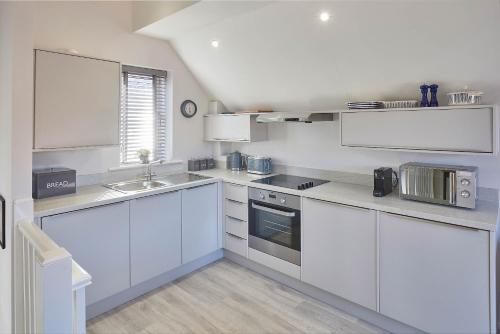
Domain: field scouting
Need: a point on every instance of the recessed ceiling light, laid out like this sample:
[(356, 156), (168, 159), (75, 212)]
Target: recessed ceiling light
[(324, 16), (215, 43)]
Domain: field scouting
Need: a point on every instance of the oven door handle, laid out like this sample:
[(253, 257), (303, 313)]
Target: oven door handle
[(271, 210)]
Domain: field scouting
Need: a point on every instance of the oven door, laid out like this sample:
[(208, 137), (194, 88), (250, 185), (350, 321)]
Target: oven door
[(274, 230)]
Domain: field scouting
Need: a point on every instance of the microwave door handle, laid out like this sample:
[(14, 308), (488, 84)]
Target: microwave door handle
[(453, 187), (270, 210)]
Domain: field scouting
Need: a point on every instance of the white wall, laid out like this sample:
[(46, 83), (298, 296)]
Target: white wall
[(317, 145), (16, 109), (5, 166), (280, 56), (103, 29)]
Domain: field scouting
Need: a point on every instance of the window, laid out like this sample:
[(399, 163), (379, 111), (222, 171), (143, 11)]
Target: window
[(143, 116)]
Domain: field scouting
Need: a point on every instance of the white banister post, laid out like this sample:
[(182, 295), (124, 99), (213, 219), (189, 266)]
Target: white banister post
[(57, 299)]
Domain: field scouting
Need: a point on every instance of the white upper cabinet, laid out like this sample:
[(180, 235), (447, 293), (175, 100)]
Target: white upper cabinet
[(470, 129), (234, 128), (77, 101)]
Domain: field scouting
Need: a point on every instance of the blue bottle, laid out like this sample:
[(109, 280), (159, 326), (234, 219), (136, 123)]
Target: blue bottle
[(425, 101), (434, 100)]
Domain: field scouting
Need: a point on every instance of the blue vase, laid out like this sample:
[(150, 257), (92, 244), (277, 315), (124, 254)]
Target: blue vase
[(434, 100), (425, 101)]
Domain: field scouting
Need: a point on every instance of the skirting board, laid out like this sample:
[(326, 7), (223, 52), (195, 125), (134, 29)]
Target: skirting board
[(358, 311), (110, 303)]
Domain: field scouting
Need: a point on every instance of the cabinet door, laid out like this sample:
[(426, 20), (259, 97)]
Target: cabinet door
[(453, 129), (155, 235), (339, 252), (434, 276), (98, 239), (77, 101), (227, 127), (199, 222)]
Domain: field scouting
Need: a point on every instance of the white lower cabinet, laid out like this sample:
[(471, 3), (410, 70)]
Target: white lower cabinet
[(434, 276), (237, 227), (155, 235), (236, 244), (98, 239), (199, 221), (339, 250)]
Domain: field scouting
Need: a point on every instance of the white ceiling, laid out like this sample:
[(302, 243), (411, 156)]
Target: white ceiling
[(279, 55)]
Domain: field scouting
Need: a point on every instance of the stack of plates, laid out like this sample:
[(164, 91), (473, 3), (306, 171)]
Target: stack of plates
[(365, 105)]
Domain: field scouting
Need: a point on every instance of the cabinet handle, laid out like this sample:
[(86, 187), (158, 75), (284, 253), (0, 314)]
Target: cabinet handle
[(230, 139), (271, 210), (234, 218), (234, 201), (236, 184), (235, 236), (428, 221), (201, 185)]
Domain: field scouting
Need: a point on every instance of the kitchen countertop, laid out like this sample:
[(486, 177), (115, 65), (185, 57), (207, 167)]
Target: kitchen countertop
[(95, 195), (484, 217)]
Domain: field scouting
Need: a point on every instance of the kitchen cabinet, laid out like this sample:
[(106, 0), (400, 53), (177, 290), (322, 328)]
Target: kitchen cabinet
[(236, 218), (339, 250), (199, 221), (155, 235), (470, 129), (434, 276), (234, 128), (77, 101), (98, 239)]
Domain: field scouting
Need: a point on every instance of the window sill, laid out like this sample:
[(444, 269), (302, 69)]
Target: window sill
[(139, 166)]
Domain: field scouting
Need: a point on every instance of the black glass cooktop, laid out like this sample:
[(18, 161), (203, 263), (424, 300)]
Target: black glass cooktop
[(291, 181)]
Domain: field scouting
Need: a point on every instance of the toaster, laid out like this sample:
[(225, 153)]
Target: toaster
[(259, 165), (440, 184)]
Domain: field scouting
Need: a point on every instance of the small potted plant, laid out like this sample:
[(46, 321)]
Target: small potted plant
[(143, 155)]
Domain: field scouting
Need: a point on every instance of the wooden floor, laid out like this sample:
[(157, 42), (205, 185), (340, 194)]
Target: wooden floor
[(226, 298)]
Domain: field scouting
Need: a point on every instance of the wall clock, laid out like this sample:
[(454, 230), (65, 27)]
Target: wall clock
[(188, 108)]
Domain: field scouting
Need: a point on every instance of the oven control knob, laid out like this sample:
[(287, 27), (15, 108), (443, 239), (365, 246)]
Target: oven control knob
[(465, 194), (262, 196), (282, 201), (465, 182)]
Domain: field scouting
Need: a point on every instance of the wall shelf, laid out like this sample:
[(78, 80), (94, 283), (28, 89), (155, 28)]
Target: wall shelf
[(464, 130)]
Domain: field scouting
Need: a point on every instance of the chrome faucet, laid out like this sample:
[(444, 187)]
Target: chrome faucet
[(149, 174)]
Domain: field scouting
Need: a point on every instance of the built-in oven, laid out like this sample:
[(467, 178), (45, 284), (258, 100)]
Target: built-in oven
[(274, 224)]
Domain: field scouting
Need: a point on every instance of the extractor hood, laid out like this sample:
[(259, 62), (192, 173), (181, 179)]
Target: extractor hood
[(305, 117)]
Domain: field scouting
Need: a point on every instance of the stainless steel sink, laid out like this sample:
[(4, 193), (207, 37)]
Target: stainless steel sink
[(137, 186), (181, 178)]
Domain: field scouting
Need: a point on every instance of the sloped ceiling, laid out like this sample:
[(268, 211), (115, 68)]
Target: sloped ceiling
[(279, 55), (145, 13)]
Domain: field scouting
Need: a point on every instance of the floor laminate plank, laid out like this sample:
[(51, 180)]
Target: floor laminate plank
[(224, 297)]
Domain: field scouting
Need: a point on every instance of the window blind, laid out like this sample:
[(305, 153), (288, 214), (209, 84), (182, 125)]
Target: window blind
[(143, 119)]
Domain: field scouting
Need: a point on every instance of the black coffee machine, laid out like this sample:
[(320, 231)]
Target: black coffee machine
[(382, 181)]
